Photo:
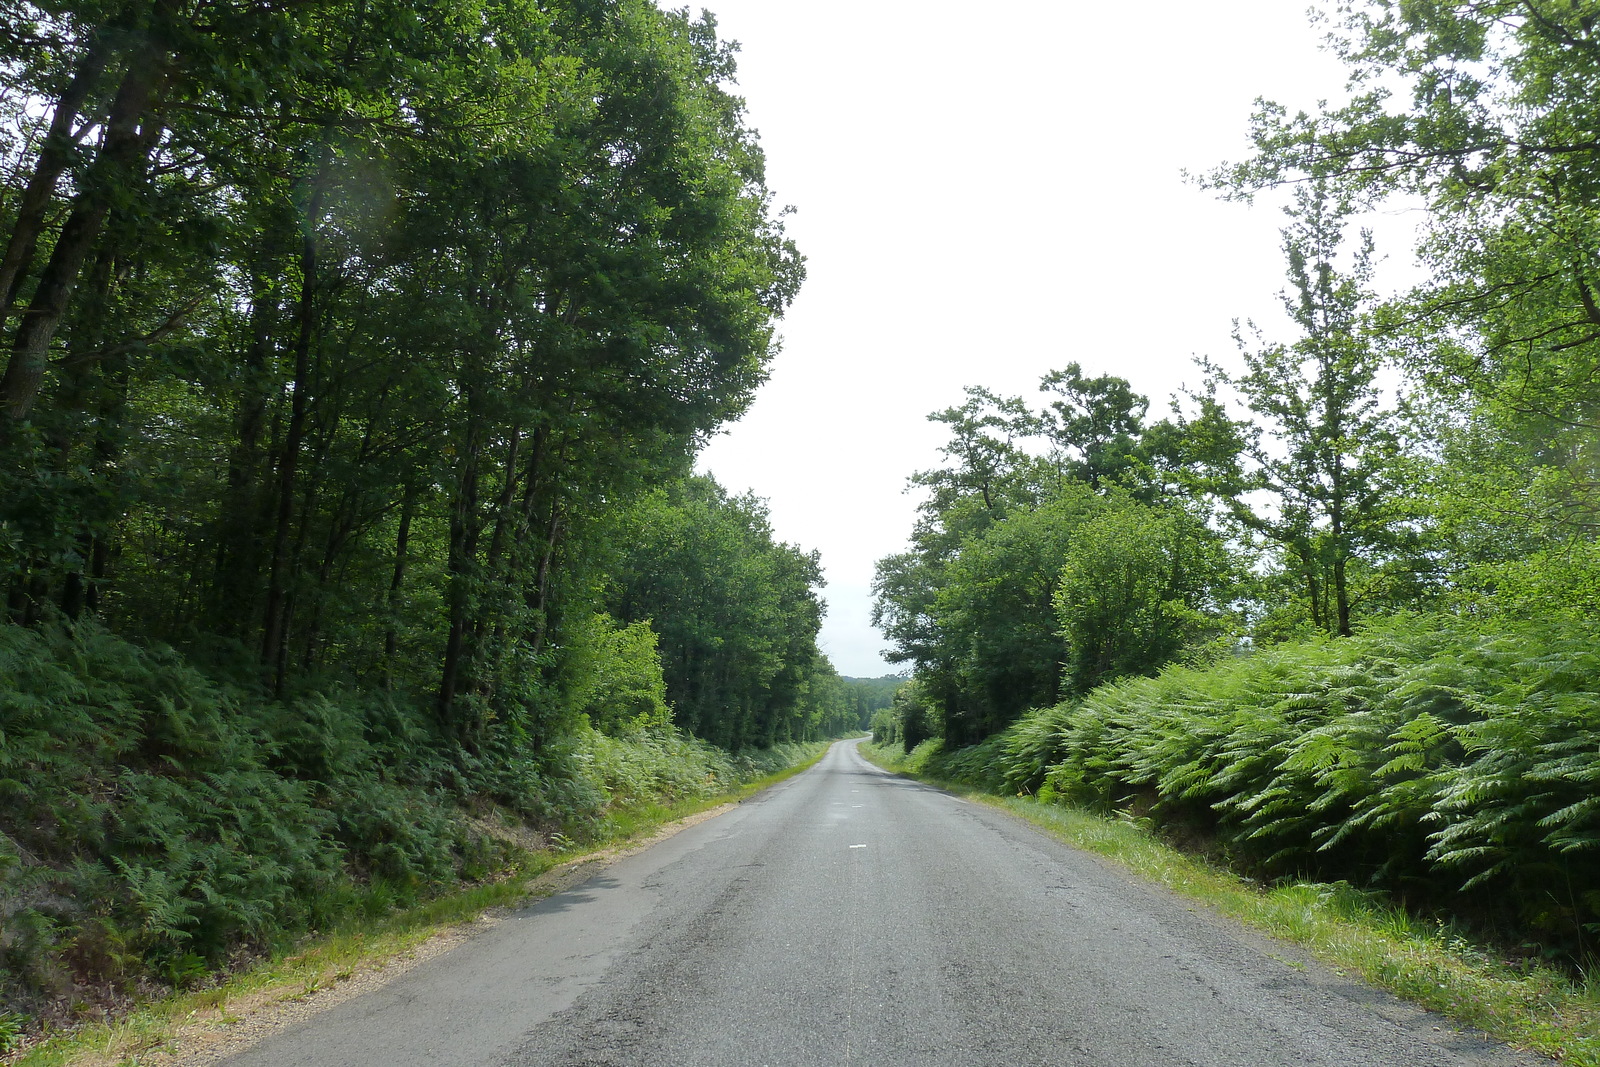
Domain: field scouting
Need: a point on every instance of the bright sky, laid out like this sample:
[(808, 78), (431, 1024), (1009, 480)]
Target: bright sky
[(986, 193)]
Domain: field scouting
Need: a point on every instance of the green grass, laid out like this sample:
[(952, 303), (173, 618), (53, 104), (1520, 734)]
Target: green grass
[(1529, 1005), (326, 959)]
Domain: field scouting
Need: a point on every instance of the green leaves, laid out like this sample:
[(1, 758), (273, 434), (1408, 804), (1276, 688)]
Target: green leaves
[(615, 676), (1484, 112), (352, 327), (1011, 592), (1132, 591), (737, 614), (1417, 755), (1318, 469), (154, 817), (396, 303)]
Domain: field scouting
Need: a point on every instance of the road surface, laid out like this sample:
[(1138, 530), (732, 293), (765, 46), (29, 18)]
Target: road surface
[(849, 917)]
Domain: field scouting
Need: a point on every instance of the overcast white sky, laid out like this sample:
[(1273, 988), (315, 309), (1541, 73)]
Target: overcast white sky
[(986, 193)]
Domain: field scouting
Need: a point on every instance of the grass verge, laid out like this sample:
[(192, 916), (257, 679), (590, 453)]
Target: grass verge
[(329, 959), (1525, 1004)]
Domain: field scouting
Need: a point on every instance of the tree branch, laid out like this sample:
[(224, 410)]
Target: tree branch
[(174, 322)]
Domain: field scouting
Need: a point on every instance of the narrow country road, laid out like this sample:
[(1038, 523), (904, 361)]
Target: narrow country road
[(850, 917)]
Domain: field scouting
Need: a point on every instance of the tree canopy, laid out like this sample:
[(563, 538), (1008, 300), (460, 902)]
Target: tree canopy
[(334, 330)]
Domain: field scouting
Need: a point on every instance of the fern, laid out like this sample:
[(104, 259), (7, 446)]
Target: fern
[(1460, 766)]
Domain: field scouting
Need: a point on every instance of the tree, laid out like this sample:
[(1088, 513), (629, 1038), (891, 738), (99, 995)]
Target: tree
[(614, 675), (370, 316), (336, 337), (984, 454), (1095, 424), (971, 604), (1139, 586), (1325, 451), (737, 613), (995, 614), (1484, 112)]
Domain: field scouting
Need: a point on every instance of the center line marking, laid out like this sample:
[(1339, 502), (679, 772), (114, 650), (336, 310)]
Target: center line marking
[(858, 846)]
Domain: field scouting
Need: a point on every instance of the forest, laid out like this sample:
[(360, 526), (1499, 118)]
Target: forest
[(1332, 614), (355, 357)]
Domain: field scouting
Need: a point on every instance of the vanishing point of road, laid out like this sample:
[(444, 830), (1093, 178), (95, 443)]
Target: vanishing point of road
[(850, 917)]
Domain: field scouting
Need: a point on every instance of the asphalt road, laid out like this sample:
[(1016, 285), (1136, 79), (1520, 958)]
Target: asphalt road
[(851, 917)]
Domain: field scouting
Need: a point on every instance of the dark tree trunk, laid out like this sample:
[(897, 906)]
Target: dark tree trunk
[(461, 563), (125, 150), (402, 542), (55, 153), (541, 584), (503, 543), (244, 514), (1341, 551), (83, 389), (275, 619), (504, 518)]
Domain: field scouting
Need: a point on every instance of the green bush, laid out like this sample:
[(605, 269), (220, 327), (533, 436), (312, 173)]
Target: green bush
[(1455, 769), (153, 821)]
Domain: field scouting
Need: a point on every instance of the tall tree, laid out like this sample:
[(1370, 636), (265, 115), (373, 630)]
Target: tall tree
[(370, 313), (1483, 112), (1094, 424), (984, 455), (1325, 448)]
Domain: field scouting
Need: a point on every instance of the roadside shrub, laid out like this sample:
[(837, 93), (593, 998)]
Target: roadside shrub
[(977, 766), (1455, 769), (925, 752), (153, 821), (662, 762)]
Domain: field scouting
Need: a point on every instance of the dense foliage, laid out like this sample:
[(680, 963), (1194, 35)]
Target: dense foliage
[(1452, 766), (1335, 615), (1483, 112), (160, 822), (335, 330), (735, 611), (1054, 553)]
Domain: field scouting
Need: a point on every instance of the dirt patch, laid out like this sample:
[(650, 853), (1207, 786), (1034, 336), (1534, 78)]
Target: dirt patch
[(516, 834), (211, 1035)]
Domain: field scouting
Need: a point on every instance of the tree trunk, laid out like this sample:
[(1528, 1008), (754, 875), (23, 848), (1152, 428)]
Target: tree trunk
[(83, 388), (541, 585), (504, 519), (460, 564), (55, 153), (275, 619), (1341, 551), (402, 541), (118, 161), (237, 576), (1308, 569), (1341, 597), (503, 542)]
